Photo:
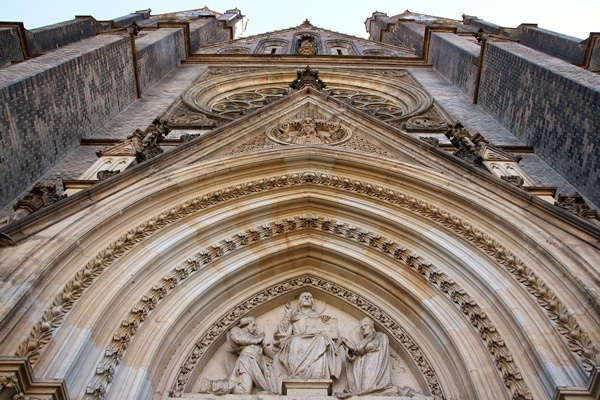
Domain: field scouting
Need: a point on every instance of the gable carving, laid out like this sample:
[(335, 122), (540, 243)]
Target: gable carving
[(308, 128)]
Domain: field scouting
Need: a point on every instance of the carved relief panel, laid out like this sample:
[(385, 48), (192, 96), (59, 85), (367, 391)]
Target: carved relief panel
[(305, 339)]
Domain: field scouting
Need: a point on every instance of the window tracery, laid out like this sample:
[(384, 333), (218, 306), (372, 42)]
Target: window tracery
[(240, 103)]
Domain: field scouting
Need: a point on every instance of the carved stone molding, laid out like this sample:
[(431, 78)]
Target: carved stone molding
[(358, 143), (575, 204), (40, 196), (590, 392), (146, 143), (216, 70), (565, 322), (17, 382)]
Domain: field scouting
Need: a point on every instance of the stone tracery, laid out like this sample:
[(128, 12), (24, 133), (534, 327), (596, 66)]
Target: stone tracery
[(407, 99)]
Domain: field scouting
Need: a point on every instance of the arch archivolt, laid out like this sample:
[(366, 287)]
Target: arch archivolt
[(567, 326)]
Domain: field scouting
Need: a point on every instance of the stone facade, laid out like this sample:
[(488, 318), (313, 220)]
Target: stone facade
[(171, 196)]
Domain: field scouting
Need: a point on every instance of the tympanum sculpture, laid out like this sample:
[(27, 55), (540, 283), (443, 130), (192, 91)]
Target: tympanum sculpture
[(368, 365), (305, 350), (252, 370)]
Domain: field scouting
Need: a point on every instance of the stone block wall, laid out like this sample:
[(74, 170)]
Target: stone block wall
[(564, 47), (10, 45), (126, 20), (488, 27), (207, 30), (49, 103), (412, 35), (456, 58), (549, 104), (47, 38), (158, 52), (595, 57)]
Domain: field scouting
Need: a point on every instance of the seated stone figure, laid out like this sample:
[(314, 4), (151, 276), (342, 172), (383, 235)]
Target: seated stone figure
[(252, 370), (305, 350), (368, 365)]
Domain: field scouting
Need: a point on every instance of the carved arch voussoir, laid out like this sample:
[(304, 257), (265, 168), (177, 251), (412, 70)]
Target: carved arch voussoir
[(52, 317), (488, 333)]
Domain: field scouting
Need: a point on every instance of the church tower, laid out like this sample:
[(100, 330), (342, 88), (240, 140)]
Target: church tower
[(188, 212)]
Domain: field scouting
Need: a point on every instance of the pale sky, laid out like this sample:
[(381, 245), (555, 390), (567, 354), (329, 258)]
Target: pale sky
[(574, 17)]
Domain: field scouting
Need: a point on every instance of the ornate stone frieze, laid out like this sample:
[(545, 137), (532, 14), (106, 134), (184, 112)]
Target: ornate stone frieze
[(306, 281), (565, 322), (259, 142), (308, 128)]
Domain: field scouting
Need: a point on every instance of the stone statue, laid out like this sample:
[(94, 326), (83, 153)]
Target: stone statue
[(307, 45), (252, 369), (305, 349), (368, 365)]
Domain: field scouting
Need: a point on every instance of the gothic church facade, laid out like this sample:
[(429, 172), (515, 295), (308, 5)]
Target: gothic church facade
[(168, 182)]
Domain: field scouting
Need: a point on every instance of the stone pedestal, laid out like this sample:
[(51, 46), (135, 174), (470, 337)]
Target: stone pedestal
[(306, 387)]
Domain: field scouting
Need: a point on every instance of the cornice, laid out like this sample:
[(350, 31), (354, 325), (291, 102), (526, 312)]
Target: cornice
[(294, 60)]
